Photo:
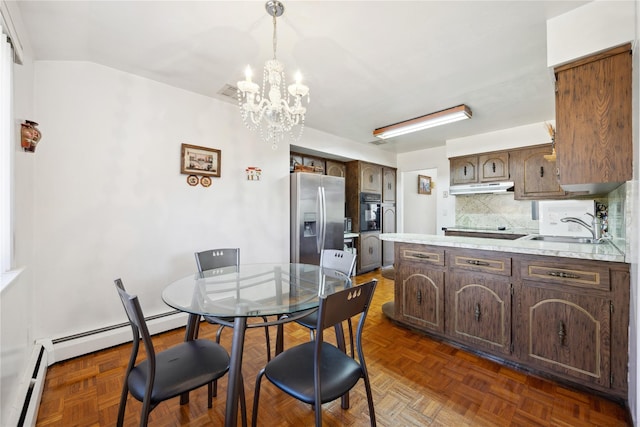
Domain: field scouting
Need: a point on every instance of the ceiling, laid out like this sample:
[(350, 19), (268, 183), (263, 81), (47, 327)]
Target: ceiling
[(368, 63)]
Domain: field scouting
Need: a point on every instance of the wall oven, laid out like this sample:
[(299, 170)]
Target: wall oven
[(370, 211)]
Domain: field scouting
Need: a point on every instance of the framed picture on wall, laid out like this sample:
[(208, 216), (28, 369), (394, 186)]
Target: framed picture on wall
[(200, 161), (424, 184)]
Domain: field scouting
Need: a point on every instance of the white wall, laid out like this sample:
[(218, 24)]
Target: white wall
[(111, 202), (16, 335), (419, 211), (437, 160)]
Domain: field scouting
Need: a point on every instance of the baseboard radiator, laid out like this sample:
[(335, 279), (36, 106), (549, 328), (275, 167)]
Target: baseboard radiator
[(48, 352), (33, 386)]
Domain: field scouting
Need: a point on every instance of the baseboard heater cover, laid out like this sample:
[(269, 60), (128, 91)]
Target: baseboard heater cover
[(33, 387), (75, 345)]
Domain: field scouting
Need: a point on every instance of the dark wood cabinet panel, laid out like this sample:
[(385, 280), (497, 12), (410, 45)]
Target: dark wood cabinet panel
[(480, 310), (593, 119), (535, 177), (464, 170), (336, 168), (422, 293), (388, 226), (566, 333), (388, 185), (370, 254), (494, 166), (370, 178)]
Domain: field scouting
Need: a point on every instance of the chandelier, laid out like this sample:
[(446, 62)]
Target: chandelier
[(280, 111)]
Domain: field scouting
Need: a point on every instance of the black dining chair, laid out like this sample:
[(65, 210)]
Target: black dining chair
[(344, 262), (168, 373), (218, 258), (318, 372)]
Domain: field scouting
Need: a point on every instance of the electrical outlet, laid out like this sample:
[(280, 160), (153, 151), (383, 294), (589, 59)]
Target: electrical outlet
[(445, 194)]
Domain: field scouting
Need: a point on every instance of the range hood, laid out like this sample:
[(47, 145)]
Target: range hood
[(486, 187)]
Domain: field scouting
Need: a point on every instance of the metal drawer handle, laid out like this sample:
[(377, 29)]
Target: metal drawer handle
[(493, 167), (563, 275), (562, 332), (419, 297), (476, 262), (541, 171), (476, 312), (465, 171), (421, 256)]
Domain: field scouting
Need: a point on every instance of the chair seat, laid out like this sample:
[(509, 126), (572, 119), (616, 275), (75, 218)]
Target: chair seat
[(197, 362), (292, 372), (309, 321)]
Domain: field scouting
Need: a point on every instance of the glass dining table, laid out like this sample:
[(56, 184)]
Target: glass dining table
[(282, 291)]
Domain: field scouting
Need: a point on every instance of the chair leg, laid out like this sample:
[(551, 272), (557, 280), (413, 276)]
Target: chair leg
[(243, 403), (256, 399), (123, 403), (215, 382), (210, 395), (266, 334), (372, 412), (146, 410)]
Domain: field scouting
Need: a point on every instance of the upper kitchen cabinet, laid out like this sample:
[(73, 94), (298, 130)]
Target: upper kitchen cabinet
[(534, 176), (369, 176), (388, 185), (487, 167), (593, 122), (335, 168)]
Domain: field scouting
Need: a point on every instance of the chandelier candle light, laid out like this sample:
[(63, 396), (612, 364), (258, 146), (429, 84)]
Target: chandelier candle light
[(280, 111)]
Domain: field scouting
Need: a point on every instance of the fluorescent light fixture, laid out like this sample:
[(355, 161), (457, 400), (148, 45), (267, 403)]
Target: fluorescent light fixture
[(450, 115)]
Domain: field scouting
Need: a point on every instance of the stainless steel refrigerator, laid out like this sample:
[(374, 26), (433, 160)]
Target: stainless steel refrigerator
[(317, 215)]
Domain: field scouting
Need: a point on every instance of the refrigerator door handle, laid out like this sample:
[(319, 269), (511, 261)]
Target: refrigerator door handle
[(319, 212), (323, 219)]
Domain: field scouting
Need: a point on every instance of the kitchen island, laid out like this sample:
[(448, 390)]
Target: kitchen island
[(560, 310)]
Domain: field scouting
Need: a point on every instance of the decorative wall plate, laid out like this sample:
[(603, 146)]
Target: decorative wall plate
[(192, 180), (205, 181)]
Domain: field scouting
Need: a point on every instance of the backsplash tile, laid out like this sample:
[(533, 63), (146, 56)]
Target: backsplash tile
[(493, 211)]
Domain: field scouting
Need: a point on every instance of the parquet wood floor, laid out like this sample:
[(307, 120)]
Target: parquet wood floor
[(416, 382)]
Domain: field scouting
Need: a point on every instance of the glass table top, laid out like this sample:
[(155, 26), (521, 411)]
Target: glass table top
[(254, 289)]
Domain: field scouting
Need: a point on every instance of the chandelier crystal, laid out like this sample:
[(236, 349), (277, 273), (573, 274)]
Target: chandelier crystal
[(281, 110)]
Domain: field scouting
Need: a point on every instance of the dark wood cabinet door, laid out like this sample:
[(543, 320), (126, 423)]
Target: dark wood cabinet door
[(464, 170), (388, 185), (388, 226), (370, 178), (370, 254), (421, 296), (494, 167), (534, 176), (480, 310), (593, 119), (336, 168), (566, 333)]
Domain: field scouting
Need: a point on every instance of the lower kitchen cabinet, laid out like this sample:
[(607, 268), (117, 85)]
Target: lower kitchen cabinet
[(369, 255), (562, 318), (566, 333), (420, 286), (480, 312)]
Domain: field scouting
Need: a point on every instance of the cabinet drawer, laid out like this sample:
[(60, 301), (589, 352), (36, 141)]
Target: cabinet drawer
[(420, 253), (581, 276), (481, 263)]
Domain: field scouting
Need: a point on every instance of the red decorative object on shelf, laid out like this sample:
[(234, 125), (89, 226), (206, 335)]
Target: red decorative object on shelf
[(30, 136)]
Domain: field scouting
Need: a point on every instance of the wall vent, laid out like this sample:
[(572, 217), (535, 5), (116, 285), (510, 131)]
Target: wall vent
[(228, 93)]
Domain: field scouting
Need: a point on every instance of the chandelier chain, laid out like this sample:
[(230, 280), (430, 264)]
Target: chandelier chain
[(275, 38)]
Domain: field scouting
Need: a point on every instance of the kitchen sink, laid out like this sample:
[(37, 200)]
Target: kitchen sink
[(563, 239)]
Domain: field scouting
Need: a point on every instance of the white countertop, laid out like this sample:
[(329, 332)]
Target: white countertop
[(605, 251), (350, 235)]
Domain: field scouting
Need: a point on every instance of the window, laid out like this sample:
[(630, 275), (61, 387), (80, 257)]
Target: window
[(6, 154)]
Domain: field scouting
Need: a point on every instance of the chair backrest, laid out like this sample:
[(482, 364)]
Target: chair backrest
[(138, 325), (342, 261), (217, 258), (343, 305)]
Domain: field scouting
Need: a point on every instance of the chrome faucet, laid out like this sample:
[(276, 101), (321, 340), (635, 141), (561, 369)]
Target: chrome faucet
[(595, 228)]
